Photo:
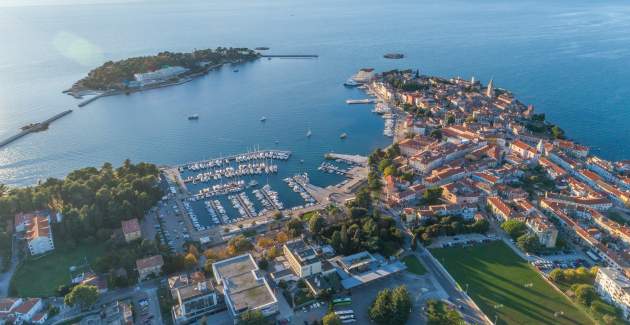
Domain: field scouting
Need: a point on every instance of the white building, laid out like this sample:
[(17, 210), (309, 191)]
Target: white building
[(39, 236), (157, 76), (244, 286), (302, 258), (614, 287)]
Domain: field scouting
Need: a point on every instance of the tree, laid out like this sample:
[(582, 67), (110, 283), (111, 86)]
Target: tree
[(384, 164), (528, 243), (282, 237), (264, 242), (390, 170), (380, 311), (514, 228), (190, 261), (207, 267), (450, 119), (331, 319), (253, 317), (557, 275), (439, 314), (295, 227), (3, 190), (358, 213), (432, 195), (316, 224), (436, 134), (391, 306), (82, 295), (401, 301), (239, 244), (584, 293), (557, 132)]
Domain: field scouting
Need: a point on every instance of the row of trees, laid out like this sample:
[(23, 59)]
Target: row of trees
[(447, 226), (438, 313), (391, 306), (573, 276)]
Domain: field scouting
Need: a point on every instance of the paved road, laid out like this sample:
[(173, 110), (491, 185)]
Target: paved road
[(148, 287), (5, 278), (471, 313)]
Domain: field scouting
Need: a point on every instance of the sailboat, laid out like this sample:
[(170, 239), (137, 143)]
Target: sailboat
[(309, 133)]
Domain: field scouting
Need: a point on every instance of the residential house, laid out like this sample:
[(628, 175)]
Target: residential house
[(131, 229), (39, 236), (149, 266)]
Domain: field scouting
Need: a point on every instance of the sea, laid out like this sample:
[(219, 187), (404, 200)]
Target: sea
[(569, 58)]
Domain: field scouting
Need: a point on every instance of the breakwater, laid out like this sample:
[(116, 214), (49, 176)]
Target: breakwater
[(36, 127)]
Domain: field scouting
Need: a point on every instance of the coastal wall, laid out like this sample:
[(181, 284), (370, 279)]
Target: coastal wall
[(41, 126)]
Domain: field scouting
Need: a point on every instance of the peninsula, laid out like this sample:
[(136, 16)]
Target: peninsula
[(148, 72)]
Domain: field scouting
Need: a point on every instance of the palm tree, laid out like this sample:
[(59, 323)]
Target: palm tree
[(4, 190)]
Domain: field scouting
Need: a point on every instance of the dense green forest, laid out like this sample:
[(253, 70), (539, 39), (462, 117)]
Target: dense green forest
[(92, 201), (112, 75)]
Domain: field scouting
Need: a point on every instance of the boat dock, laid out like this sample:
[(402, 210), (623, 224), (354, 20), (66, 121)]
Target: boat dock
[(242, 157), (360, 101), (34, 128)]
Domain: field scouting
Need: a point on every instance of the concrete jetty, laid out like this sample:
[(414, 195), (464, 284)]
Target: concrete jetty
[(36, 127), (297, 56), (357, 159)]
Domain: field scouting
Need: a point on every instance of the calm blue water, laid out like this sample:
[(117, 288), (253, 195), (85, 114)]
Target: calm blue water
[(568, 58)]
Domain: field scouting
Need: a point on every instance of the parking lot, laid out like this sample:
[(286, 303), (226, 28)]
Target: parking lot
[(147, 307), (167, 221)]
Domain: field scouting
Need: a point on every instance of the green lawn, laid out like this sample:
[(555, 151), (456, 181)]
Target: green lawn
[(39, 277), (503, 284), (413, 265)]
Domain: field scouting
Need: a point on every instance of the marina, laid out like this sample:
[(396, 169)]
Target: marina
[(225, 195)]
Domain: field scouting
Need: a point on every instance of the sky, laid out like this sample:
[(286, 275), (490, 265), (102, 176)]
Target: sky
[(26, 3)]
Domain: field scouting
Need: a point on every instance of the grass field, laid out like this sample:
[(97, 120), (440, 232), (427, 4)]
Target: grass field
[(39, 277), (504, 285), (413, 265)]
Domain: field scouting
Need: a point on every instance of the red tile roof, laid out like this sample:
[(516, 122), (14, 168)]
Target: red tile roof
[(150, 262), (25, 307), (130, 226)]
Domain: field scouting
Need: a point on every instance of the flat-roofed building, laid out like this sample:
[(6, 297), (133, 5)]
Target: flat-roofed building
[(244, 286), (614, 287), (363, 267), (195, 296), (302, 258)]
